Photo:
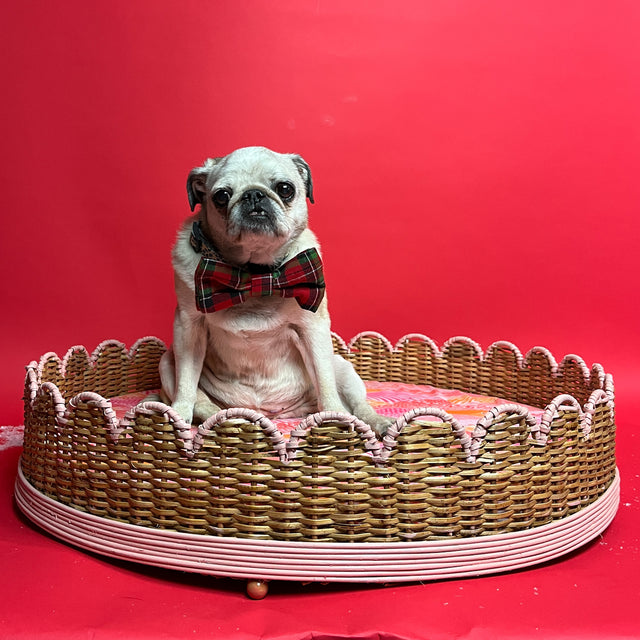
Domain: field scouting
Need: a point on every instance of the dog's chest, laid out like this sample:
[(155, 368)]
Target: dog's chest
[(260, 318), (262, 369), (255, 342)]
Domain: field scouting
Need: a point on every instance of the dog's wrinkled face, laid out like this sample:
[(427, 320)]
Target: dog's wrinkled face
[(252, 197)]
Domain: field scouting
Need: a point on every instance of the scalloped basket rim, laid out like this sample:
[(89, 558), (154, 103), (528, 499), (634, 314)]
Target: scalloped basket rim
[(380, 450)]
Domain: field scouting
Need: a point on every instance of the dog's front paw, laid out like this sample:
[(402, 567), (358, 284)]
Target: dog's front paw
[(184, 410), (380, 424), (204, 408)]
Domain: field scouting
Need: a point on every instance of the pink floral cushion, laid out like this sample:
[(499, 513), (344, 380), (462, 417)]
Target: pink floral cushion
[(390, 399)]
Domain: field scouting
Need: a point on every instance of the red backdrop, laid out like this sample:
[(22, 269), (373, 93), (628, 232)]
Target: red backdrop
[(475, 164), (476, 172)]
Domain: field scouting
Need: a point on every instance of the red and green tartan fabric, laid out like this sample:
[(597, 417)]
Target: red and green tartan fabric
[(220, 285)]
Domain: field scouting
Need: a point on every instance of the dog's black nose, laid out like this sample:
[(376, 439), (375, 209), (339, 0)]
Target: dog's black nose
[(253, 196)]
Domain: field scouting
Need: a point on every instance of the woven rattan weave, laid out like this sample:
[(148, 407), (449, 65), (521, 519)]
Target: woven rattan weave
[(333, 481)]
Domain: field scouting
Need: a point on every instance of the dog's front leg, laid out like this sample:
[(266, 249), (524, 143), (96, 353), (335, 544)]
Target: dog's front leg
[(338, 386), (189, 349), (317, 353)]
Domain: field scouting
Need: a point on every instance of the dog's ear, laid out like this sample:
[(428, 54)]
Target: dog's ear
[(197, 182), (305, 172)]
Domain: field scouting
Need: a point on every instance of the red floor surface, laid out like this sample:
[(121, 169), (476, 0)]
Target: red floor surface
[(51, 590)]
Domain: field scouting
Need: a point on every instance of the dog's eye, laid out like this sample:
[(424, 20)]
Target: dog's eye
[(221, 197), (285, 190)]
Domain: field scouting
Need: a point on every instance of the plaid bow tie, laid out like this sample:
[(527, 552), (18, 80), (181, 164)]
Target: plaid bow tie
[(220, 285)]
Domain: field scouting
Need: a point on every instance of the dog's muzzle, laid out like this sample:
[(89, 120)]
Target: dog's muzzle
[(256, 212)]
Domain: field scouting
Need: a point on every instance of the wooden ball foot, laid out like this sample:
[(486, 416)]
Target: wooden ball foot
[(257, 589)]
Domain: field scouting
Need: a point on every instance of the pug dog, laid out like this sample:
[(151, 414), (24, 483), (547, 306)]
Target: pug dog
[(252, 327)]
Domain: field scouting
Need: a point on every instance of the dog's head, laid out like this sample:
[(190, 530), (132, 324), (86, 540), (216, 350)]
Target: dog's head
[(253, 201)]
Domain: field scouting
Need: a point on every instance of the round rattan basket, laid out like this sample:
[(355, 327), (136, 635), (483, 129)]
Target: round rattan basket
[(232, 497)]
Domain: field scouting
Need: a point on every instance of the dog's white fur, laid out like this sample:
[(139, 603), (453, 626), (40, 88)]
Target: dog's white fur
[(267, 353)]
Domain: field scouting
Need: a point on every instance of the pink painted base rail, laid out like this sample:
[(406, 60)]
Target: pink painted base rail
[(321, 562)]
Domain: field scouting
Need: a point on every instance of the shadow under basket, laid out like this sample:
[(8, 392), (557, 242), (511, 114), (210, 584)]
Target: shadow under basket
[(234, 497)]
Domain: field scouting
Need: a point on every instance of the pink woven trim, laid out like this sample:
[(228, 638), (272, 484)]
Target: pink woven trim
[(286, 451), (183, 429), (276, 439), (596, 375), (391, 437), (451, 342), (142, 341), (567, 402), (371, 443), (72, 352), (32, 381), (380, 451), (93, 358), (58, 401), (608, 386), (485, 422), (48, 357), (597, 372), (341, 343), (369, 334), (503, 344), (417, 337), (574, 359), (562, 402), (95, 399), (595, 398)]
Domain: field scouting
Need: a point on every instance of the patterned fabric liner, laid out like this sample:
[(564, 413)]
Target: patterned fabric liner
[(391, 399)]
